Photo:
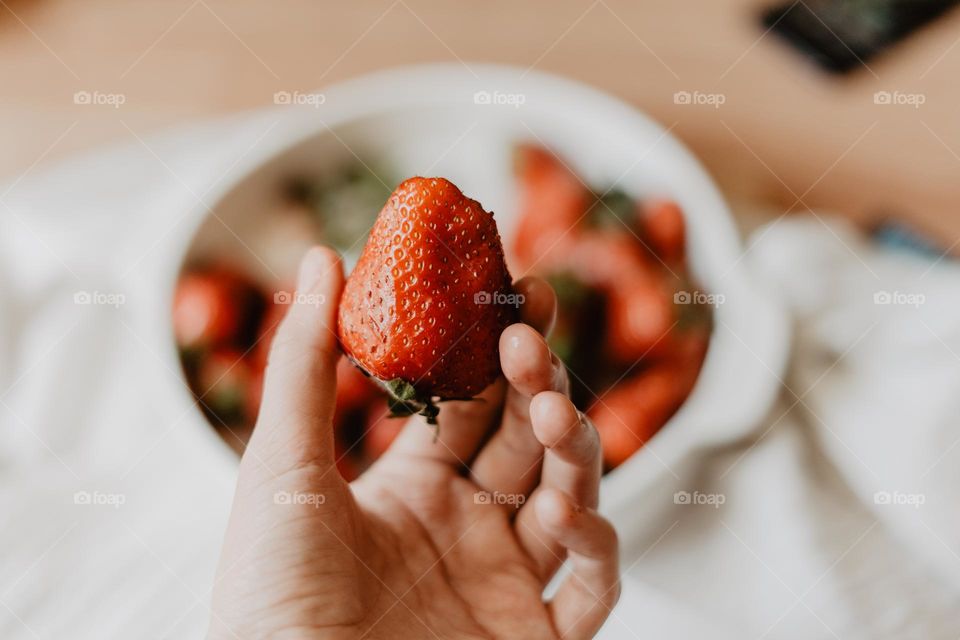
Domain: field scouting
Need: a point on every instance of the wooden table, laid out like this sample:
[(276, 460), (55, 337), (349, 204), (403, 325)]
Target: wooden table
[(785, 136)]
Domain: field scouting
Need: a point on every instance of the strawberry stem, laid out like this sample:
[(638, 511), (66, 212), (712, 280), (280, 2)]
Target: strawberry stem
[(404, 400)]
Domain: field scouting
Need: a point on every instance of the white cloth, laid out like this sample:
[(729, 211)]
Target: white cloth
[(839, 517), (803, 545)]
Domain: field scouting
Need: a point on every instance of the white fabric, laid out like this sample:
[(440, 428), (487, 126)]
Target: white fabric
[(800, 547)]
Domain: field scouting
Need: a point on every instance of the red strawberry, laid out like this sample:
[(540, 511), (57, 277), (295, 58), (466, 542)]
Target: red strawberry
[(552, 202), (640, 317), (213, 308), (631, 413), (604, 259), (663, 225), (425, 306), (224, 384)]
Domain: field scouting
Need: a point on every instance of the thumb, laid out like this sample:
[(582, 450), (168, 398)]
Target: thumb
[(294, 428)]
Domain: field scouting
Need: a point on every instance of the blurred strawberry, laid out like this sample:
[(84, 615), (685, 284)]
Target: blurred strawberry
[(663, 225), (224, 384), (605, 259), (640, 319), (578, 333), (638, 309), (214, 308), (552, 202), (628, 415)]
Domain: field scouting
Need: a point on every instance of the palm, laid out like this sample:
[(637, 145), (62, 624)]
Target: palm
[(464, 573), (407, 550)]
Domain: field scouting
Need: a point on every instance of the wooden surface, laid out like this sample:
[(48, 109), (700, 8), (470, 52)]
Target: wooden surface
[(785, 135)]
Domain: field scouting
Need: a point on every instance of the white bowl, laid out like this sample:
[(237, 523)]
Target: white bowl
[(438, 120)]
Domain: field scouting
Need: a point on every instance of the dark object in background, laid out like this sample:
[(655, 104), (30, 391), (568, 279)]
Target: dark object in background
[(839, 35), (899, 236)]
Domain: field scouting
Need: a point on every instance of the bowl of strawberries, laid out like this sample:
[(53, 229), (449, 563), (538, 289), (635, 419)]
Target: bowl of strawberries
[(668, 344)]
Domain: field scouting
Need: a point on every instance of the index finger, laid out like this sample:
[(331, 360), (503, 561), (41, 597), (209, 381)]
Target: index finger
[(294, 425)]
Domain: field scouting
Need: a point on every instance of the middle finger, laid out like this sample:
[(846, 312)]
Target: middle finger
[(510, 461)]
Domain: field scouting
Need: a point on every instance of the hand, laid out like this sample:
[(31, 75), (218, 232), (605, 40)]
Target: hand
[(414, 548)]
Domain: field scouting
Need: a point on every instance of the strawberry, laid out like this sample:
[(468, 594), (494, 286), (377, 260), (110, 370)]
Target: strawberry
[(631, 413), (224, 384), (604, 259), (640, 318), (552, 202), (214, 308), (425, 306), (662, 223)]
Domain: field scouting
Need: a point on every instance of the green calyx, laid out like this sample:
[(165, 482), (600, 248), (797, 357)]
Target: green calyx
[(404, 400)]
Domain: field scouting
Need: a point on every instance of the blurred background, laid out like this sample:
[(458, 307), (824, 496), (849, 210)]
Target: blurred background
[(800, 109), (785, 133)]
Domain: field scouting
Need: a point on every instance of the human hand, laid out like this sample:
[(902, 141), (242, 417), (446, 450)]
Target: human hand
[(448, 538)]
